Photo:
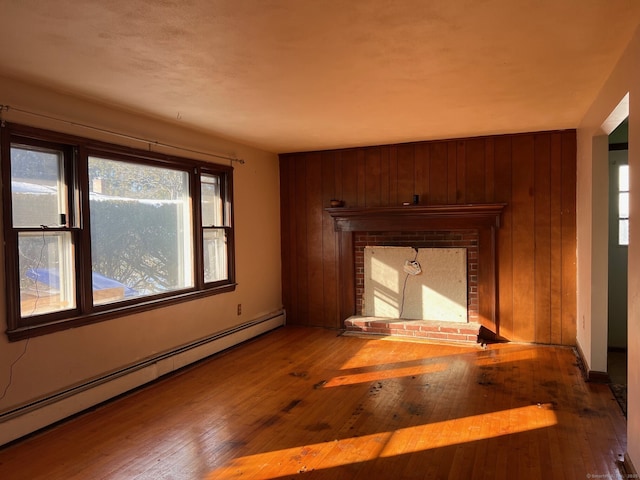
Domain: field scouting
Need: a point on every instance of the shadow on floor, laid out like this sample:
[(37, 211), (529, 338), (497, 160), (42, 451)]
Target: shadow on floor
[(617, 370)]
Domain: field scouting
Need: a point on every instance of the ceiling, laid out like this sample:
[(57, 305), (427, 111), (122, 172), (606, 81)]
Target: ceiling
[(297, 75)]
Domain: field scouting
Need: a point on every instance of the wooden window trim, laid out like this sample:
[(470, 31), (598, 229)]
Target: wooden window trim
[(85, 312)]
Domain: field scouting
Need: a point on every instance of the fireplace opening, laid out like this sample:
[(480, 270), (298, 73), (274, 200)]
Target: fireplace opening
[(415, 283), (445, 290)]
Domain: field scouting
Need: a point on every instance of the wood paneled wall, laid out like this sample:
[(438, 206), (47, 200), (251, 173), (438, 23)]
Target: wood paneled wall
[(535, 174)]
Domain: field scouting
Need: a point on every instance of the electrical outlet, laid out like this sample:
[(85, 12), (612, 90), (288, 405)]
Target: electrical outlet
[(239, 309)]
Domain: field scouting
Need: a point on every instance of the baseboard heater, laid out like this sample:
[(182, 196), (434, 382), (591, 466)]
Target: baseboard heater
[(30, 417)]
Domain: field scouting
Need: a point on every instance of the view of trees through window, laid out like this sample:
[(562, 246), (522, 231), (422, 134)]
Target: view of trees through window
[(140, 229)]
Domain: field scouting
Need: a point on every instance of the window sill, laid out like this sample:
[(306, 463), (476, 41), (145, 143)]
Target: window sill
[(22, 333)]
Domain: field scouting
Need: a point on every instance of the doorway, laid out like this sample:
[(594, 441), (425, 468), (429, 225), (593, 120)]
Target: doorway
[(618, 260)]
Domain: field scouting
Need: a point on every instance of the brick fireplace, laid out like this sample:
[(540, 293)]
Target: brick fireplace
[(470, 226)]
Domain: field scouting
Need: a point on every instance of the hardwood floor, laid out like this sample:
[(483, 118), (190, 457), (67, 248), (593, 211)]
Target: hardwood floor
[(308, 401)]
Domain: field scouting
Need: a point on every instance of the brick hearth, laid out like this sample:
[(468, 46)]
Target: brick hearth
[(425, 329)]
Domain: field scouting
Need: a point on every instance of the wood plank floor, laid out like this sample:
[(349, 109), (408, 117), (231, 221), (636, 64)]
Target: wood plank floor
[(309, 402)]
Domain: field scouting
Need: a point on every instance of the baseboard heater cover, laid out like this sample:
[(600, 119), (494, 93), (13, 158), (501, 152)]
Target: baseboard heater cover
[(43, 412)]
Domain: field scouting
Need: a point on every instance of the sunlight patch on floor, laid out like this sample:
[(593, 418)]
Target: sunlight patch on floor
[(364, 448), (377, 375)]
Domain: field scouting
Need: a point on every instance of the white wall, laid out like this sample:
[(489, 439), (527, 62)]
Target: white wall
[(602, 117), (60, 360)]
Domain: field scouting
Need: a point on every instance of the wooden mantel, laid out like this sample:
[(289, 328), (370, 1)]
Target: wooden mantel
[(411, 218), (416, 217)]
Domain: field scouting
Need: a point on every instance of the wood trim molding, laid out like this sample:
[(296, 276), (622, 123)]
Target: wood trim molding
[(629, 468), (589, 375), (483, 217)]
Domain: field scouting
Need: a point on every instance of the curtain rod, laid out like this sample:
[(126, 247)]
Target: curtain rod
[(6, 108)]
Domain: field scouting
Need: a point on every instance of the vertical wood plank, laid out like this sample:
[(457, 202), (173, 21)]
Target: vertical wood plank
[(349, 177), (475, 170), (337, 155), (487, 280), (523, 238), (385, 190), (542, 232), (349, 163), (422, 153), (452, 172), (555, 201), (362, 177), (569, 237), (299, 205), (438, 173), (406, 172), (503, 180), (461, 172), (393, 175), (286, 243), (313, 215), (339, 164), (329, 247), (489, 193), (372, 177), (293, 239)]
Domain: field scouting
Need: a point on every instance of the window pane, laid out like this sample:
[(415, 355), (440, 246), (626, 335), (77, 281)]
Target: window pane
[(623, 232), (623, 205), (141, 240), (215, 254), (47, 275), (211, 201), (623, 179), (37, 194)]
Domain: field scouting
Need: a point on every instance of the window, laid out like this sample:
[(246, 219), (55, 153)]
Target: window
[(94, 230), (623, 205), (43, 238), (141, 235), (215, 228)]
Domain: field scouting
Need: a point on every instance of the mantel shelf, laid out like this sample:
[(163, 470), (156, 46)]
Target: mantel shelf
[(417, 217)]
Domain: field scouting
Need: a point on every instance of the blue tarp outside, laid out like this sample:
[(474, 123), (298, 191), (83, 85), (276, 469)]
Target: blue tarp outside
[(51, 277)]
